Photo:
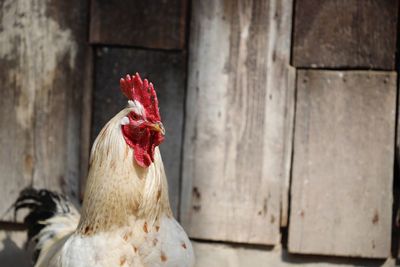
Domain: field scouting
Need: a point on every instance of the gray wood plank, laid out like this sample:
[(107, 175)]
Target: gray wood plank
[(345, 34), (236, 155), (343, 163), (42, 55), (167, 71), (152, 24)]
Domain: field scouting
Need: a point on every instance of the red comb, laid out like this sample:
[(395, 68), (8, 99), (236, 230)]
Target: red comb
[(142, 91)]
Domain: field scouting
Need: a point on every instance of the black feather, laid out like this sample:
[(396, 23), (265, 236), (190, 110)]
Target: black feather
[(42, 205)]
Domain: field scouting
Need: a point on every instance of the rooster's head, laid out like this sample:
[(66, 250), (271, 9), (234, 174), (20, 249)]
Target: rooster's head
[(142, 128)]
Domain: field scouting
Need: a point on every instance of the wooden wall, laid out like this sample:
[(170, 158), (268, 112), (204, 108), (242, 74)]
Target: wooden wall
[(44, 71), (280, 118), (43, 77)]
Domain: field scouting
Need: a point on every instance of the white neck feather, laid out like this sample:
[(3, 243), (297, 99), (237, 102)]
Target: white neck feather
[(118, 190)]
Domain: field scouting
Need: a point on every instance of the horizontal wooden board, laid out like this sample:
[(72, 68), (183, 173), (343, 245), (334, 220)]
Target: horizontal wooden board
[(343, 163), (153, 24), (42, 63), (236, 154), (223, 255), (345, 34), (167, 71)]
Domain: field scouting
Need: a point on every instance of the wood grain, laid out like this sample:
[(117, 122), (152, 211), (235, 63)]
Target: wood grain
[(42, 55), (343, 163), (345, 34), (155, 24), (236, 155), (167, 71)]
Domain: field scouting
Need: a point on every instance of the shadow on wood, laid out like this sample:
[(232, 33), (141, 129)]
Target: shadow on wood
[(12, 252)]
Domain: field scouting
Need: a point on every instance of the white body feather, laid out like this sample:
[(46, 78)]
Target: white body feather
[(127, 246)]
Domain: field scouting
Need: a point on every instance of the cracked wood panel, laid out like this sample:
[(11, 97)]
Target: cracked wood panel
[(151, 24), (238, 120), (343, 163), (345, 33), (167, 71), (42, 55)]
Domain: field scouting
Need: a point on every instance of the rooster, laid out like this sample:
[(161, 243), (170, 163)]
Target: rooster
[(126, 219)]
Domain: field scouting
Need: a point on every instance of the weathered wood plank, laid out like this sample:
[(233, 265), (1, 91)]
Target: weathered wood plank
[(167, 71), (155, 24), (41, 61), (345, 33), (237, 120), (222, 255), (343, 163)]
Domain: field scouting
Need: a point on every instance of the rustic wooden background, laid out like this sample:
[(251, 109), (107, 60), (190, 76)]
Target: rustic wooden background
[(281, 118)]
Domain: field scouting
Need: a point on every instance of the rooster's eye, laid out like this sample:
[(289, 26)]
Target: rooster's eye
[(135, 116)]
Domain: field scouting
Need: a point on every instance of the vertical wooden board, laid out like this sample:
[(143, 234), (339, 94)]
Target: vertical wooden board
[(153, 24), (345, 33), (42, 55), (287, 138), (396, 191), (167, 71), (343, 163), (235, 150)]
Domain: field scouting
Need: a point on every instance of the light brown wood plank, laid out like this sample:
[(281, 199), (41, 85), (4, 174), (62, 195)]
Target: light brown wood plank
[(343, 163), (237, 120), (41, 61), (345, 34)]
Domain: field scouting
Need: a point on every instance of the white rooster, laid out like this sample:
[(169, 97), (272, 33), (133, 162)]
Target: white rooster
[(126, 219)]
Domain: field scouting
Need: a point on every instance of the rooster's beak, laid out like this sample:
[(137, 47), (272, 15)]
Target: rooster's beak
[(158, 127)]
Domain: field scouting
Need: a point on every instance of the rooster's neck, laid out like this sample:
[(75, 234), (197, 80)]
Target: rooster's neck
[(118, 191)]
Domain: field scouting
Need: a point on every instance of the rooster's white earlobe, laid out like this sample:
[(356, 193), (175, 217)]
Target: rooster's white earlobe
[(125, 121)]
